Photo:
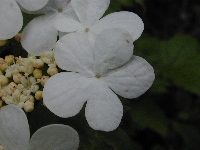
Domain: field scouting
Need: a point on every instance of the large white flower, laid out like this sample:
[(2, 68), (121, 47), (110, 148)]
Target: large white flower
[(15, 133), (40, 35), (11, 17), (96, 73), (90, 11)]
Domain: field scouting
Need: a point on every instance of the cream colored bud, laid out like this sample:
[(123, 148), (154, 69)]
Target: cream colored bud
[(3, 80), (52, 71), (1, 60), (31, 98), (38, 95), (28, 106), (1, 103), (16, 78), (3, 66), (37, 73), (2, 42), (43, 80), (9, 59), (38, 63), (17, 37)]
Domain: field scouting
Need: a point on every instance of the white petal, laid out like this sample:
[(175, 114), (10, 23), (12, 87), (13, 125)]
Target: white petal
[(125, 20), (32, 5), (55, 137), (68, 25), (113, 48), (39, 35), (104, 109), (132, 79), (73, 52), (11, 19), (89, 11), (14, 128), (65, 93)]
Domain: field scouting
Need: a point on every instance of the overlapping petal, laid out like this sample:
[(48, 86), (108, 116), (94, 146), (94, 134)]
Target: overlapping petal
[(13, 123), (125, 20), (113, 48), (39, 35), (74, 52), (89, 11), (104, 109), (132, 79), (11, 19), (32, 5), (65, 93), (66, 139)]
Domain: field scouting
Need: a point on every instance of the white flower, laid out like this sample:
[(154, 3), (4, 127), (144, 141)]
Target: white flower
[(11, 17), (15, 134), (17, 98), (96, 72), (90, 11), (12, 69), (40, 35)]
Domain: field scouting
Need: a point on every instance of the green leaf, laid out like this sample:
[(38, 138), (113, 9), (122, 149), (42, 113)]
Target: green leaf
[(148, 115)]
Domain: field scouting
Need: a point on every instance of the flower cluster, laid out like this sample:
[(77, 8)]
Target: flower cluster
[(21, 78), (94, 53)]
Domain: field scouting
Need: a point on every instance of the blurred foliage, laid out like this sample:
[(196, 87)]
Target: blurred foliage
[(167, 116)]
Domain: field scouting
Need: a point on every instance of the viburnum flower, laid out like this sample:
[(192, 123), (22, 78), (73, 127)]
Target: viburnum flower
[(15, 133), (90, 11), (96, 73), (40, 35), (11, 17)]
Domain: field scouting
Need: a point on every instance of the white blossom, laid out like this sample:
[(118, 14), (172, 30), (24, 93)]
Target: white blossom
[(96, 73), (40, 35), (15, 134), (11, 17), (90, 11)]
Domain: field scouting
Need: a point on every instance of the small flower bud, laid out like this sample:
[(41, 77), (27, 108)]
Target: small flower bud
[(9, 59), (31, 98), (2, 42), (38, 95), (38, 63), (3, 80), (28, 106), (52, 71), (44, 80), (17, 37), (37, 73), (16, 78), (3, 66), (12, 86)]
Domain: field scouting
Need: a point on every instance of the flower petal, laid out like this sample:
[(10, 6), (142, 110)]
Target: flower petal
[(104, 109), (132, 79), (55, 137), (89, 11), (11, 19), (14, 128), (32, 5), (73, 52), (113, 48), (65, 93), (34, 36), (68, 25), (125, 20)]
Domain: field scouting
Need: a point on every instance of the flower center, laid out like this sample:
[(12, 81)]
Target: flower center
[(98, 76), (87, 29), (60, 10)]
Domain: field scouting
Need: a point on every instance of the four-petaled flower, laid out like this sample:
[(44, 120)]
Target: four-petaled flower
[(96, 73)]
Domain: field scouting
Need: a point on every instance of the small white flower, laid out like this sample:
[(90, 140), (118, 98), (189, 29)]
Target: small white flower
[(90, 11), (15, 134), (11, 17), (34, 36), (12, 69), (25, 65), (48, 57), (96, 72)]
